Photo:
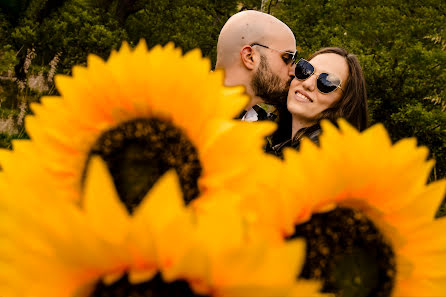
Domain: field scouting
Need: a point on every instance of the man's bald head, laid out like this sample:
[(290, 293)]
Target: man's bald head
[(249, 27), (255, 49)]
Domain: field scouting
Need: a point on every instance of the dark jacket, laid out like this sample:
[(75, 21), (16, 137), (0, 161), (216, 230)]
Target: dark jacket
[(260, 112), (311, 132)]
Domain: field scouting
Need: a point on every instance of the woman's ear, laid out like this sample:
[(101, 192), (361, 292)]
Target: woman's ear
[(248, 57)]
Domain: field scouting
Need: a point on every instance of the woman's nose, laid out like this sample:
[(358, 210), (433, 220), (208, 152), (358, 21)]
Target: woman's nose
[(310, 83)]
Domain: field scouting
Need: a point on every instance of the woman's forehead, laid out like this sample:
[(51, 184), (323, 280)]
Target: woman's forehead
[(331, 63)]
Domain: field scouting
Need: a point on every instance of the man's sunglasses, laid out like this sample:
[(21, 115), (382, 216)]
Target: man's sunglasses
[(326, 82), (288, 57)]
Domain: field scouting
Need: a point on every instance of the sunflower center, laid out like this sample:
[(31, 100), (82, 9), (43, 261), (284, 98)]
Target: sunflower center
[(348, 254), (155, 287), (140, 151)]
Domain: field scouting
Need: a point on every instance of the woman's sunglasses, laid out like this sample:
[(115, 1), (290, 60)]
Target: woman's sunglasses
[(326, 82)]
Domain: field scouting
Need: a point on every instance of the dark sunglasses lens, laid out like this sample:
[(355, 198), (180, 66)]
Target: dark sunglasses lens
[(327, 83), (303, 69)]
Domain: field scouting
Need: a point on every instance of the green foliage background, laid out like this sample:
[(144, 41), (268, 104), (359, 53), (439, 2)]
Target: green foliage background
[(400, 44)]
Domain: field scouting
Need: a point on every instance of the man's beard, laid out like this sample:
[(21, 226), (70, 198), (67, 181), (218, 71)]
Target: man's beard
[(268, 85)]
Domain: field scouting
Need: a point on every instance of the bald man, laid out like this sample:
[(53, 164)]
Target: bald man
[(257, 50)]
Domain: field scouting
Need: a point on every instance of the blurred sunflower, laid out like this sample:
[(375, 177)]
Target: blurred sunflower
[(367, 214), (266, 212), (51, 247), (143, 112)]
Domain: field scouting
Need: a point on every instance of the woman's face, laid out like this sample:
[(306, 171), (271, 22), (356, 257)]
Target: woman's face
[(305, 102)]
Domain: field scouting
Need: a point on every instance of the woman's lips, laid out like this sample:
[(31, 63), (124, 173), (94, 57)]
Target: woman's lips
[(302, 97)]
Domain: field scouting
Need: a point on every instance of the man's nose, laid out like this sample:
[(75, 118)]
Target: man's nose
[(291, 69)]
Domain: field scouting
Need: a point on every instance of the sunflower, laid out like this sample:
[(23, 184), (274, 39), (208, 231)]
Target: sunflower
[(266, 212), (52, 247), (144, 112), (363, 205)]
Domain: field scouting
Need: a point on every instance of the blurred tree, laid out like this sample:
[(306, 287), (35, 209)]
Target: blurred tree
[(49, 36), (120, 9), (267, 5), (74, 30), (7, 53), (12, 9), (188, 23), (250, 4)]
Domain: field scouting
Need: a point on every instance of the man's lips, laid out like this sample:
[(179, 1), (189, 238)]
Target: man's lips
[(299, 96)]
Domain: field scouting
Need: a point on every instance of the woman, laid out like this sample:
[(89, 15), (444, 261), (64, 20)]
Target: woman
[(328, 86)]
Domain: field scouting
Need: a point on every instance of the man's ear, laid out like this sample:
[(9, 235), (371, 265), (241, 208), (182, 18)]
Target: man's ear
[(248, 57)]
